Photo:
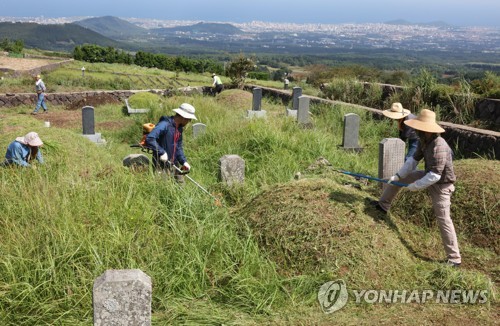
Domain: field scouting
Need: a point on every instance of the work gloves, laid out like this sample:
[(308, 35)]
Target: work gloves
[(164, 158), (186, 167), (393, 179)]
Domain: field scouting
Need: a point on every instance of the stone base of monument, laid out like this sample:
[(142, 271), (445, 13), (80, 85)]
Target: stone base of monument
[(351, 149), (96, 138), (256, 114), (291, 113)]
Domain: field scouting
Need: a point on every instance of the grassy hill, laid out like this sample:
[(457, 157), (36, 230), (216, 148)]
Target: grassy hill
[(260, 258), (113, 27), (53, 37)]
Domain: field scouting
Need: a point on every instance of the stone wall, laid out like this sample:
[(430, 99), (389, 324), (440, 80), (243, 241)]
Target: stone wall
[(13, 100)]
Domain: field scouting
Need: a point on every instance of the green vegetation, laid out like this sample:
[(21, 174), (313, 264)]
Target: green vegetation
[(260, 259)]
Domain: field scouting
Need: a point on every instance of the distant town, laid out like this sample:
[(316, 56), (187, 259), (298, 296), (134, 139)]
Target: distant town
[(395, 35)]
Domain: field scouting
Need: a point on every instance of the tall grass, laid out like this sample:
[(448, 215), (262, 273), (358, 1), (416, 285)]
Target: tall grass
[(66, 222)]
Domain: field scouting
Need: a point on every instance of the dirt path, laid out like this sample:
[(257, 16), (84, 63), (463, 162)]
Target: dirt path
[(22, 64)]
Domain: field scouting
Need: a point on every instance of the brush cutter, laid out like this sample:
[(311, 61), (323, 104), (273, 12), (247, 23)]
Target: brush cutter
[(359, 175), (148, 150)]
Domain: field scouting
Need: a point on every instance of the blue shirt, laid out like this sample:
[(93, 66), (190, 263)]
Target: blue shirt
[(167, 138), (18, 153)]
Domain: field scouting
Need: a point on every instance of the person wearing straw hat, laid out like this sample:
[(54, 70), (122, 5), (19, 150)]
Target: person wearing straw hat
[(165, 140), (23, 150), (406, 133), (40, 94), (438, 178)]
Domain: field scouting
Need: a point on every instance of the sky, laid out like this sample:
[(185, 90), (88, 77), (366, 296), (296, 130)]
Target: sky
[(454, 12)]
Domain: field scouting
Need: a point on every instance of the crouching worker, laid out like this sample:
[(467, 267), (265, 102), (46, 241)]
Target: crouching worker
[(165, 140), (24, 150), (438, 178)]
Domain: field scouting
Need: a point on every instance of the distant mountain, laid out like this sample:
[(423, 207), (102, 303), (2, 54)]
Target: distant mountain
[(202, 28), (53, 37), (113, 27)]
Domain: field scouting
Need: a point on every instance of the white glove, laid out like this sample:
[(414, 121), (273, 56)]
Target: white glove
[(393, 178), (186, 166), (164, 157), (412, 187)]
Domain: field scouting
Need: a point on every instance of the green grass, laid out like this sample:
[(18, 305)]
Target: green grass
[(66, 222)]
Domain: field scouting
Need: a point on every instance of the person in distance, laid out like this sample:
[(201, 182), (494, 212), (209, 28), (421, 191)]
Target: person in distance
[(40, 94)]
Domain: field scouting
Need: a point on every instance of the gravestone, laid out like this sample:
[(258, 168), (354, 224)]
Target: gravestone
[(88, 121), (391, 157), (88, 125), (303, 111), (296, 93), (231, 169), (122, 297), (351, 132), (199, 129), (256, 104)]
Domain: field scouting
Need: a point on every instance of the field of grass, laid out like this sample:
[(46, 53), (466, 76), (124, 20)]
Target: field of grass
[(260, 258)]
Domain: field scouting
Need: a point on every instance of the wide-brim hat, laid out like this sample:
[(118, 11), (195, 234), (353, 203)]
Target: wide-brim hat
[(213, 74), (396, 111), (186, 110), (425, 121), (31, 139)]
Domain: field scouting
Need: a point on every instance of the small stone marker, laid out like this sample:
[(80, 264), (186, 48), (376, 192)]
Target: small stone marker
[(256, 104), (122, 297), (232, 169), (88, 124), (303, 111), (391, 157), (296, 93), (199, 129), (351, 132)]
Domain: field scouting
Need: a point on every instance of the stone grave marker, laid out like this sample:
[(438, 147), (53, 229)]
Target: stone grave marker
[(88, 125), (351, 132), (391, 157), (303, 111), (122, 297), (231, 169), (296, 93), (199, 129), (256, 104)]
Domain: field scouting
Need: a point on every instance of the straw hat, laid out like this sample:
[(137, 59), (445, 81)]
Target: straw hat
[(31, 139), (396, 111), (186, 111), (426, 121)]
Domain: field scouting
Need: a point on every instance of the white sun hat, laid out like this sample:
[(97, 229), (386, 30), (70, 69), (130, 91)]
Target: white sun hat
[(396, 111), (31, 139), (186, 110)]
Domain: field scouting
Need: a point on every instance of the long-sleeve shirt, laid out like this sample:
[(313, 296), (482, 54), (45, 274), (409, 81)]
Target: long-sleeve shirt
[(18, 153), (39, 86), (438, 158), (217, 81), (167, 138)]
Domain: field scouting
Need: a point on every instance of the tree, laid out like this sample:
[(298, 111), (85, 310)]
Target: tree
[(238, 68)]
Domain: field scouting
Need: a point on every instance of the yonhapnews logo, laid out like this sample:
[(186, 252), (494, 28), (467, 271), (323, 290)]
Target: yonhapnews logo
[(332, 296)]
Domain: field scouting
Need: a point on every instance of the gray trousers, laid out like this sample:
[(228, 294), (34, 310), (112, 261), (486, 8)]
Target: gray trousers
[(441, 202)]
